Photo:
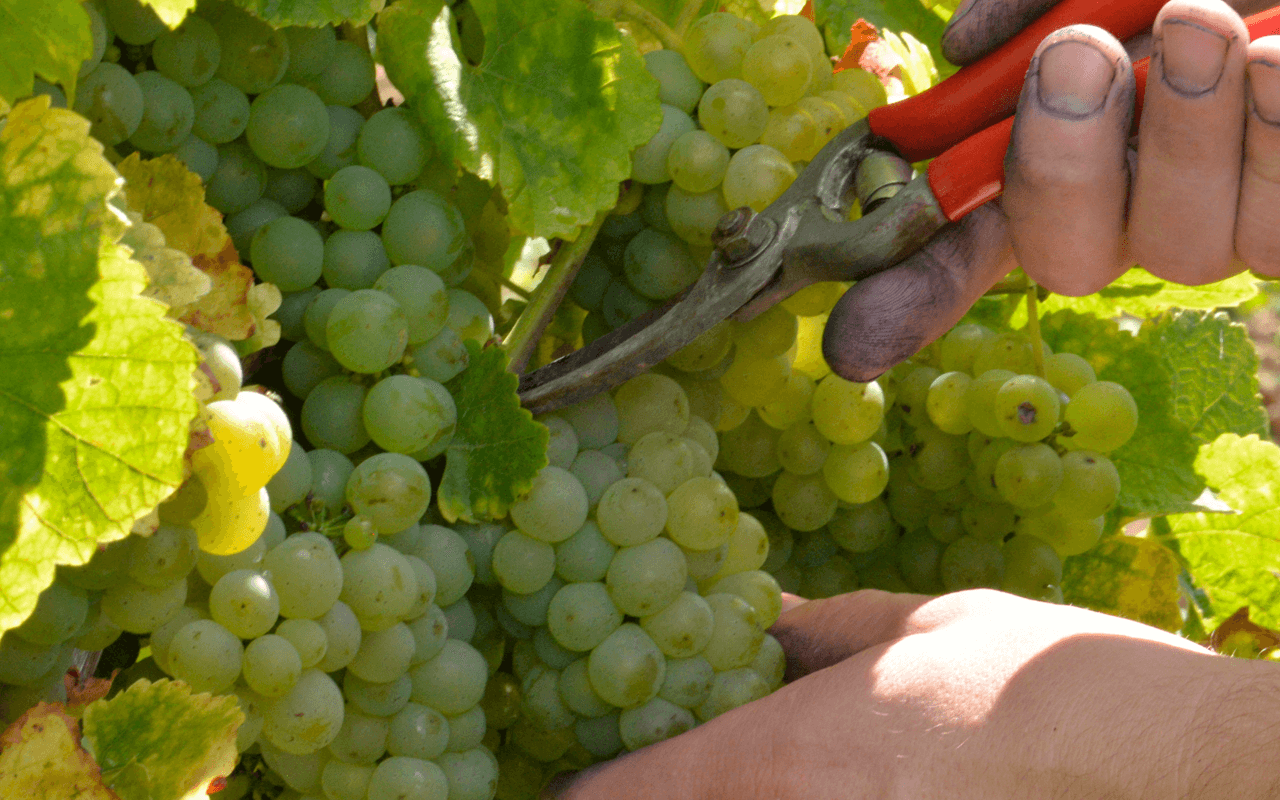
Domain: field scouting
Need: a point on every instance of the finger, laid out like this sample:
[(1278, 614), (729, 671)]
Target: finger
[(1258, 218), (1066, 171), (790, 601), (1190, 145), (888, 317), (821, 633), (980, 26)]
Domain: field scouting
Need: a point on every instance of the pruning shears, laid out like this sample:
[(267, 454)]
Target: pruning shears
[(964, 124)]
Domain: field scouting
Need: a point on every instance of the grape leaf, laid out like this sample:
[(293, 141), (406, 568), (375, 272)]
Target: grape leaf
[(550, 114), (1142, 294), (157, 741), (1128, 577), (1194, 377), (497, 449), (312, 13), (836, 17), (46, 37), (171, 197), (95, 384), (171, 12), (41, 757), (1235, 558)]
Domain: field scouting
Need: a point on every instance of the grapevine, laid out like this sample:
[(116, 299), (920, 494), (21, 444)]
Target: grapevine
[(274, 270)]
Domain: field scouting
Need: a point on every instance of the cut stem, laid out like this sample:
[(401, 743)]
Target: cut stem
[(1033, 328), (522, 341)]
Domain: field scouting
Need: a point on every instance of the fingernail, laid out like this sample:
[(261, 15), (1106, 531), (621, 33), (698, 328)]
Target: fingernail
[(1075, 79), (1192, 56), (558, 783), (1264, 88)]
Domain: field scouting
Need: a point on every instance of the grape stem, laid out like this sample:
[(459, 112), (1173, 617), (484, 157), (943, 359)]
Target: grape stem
[(1033, 328), (687, 15), (522, 341), (629, 8)]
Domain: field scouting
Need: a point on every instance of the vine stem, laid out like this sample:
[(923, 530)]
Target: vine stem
[(1033, 328), (630, 8), (687, 15), (522, 341)]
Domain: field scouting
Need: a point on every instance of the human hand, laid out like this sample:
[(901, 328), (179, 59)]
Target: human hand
[(975, 694), (1196, 200)]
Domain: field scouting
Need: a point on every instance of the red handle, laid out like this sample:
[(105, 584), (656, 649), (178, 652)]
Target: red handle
[(984, 93), (972, 172)]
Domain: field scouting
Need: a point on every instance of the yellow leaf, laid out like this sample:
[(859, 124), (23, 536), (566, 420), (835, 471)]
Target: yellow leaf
[(41, 757)]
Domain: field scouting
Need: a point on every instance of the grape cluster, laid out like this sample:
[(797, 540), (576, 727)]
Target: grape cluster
[(960, 468), (744, 108), (631, 588)]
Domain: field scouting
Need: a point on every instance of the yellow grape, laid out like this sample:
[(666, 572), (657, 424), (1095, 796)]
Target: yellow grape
[(231, 522)]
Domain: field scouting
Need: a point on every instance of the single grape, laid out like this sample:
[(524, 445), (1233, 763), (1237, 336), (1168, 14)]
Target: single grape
[(1027, 408), (254, 55), (357, 198), (189, 54), (288, 252), (392, 142), (1102, 416), (677, 84), (780, 67), (390, 488), (1090, 485), (649, 160), (367, 331), (1028, 475), (734, 112), (167, 114)]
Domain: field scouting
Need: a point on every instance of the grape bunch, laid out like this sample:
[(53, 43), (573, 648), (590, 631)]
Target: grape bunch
[(631, 588), (744, 108), (959, 468)]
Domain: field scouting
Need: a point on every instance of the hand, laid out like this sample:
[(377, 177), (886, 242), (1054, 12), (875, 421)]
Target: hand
[(975, 695), (1196, 201)]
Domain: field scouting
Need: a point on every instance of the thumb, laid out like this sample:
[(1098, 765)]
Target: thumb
[(980, 26), (885, 319)]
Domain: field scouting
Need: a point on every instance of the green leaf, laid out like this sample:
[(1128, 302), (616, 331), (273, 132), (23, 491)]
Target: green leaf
[(41, 757), (1128, 577), (497, 449), (158, 741), (45, 37), (551, 114), (1235, 558), (1194, 377), (171, 12), (835, 17), (313, 13), (1142, 294), (95, 384)]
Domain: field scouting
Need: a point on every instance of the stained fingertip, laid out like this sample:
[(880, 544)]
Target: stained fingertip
[(979, 27)]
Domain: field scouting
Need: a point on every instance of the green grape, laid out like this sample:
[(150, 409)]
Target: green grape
[(383, 655), (162, 637), (769, 334), (770, 662), (165, 556), (585, 555), (1102, 417), (631, 511), (60, 611), (339, 149), (677, 85), (913, 391), (238, 181), (523, 564), (627, 668), (655, 721), (1068, 372), (271, 665), (134, 22), (664, 460), (292, 188), (362, 738), (647, 403), (736, 635), (100, 35), (562, 448), (865, 88), (1031, 567), (647, 577), (796, 27), (343, 781), (802, 450), (221, 111), (310, 51), (430, 631), (779, 67), (453, 681), (244, 602), (587, 289), (687, 682), (308, 639), (359, 532), (791, 405), (980, 400), (292, 482), (804, 502), (734, 112), (329, 472), (393, 144), (404, 414), (141, 609), (189, 54), (856, 473), (693, 217), (1069, 536), (554, 509), (206, 656), (702, 514), (716, 44), (658, 265), (732, 689), (288, 252), (697, 162), (970, 563), (863, 527), (367, 331), (850, 108), (245, 223), (198, 155), (425, 229), (1028, 475), (945, 403), (418, 290), (1027, 408), (417, 731), (756, 176), (441, 357), (621, 304), (986, 519), (946, 526), (254, 55), (331, 415), (919, 555), (791, 131), (342, 636), (308, 717), (390, 488), (846, 412), (469, 316), (379, 584), (828, 120), (582, 615), (305, 366), (750, 449), (316, 317), (355, 260), (758, 588), (348, 76), (938, 461), (960, 346), (1011, 351), (649, 160), (1090, 485), (753, 381), (981, 482), (167, 114), (683, 627), (357, 198)]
